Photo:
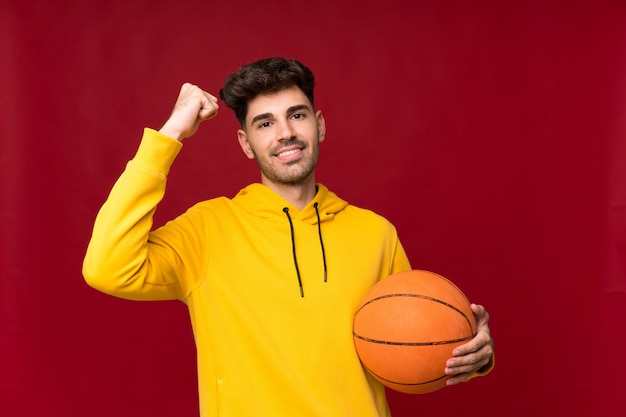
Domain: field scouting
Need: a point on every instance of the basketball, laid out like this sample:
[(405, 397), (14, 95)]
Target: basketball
[(406, 328)]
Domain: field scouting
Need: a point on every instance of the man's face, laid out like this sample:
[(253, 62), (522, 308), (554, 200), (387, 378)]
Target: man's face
[(283, 133)]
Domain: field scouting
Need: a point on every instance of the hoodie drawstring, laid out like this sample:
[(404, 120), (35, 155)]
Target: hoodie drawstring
[(293, 246), (319, 232)]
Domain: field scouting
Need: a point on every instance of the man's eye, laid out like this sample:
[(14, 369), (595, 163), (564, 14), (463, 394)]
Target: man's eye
[(298, 116), (264, 124)]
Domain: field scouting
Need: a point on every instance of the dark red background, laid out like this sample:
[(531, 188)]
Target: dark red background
[(492, 134)]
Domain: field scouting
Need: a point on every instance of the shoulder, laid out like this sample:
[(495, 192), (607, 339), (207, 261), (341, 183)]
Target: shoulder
[(366, 220), (358, 214), (216, 205), (367, 214)]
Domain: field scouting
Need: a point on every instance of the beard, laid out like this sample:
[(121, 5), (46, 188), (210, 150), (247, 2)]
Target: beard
[(291, 173)]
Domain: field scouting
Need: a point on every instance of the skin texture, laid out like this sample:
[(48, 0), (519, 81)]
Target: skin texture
[(283, 132)]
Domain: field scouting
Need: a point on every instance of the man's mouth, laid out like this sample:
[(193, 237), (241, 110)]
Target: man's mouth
[(288, 152)]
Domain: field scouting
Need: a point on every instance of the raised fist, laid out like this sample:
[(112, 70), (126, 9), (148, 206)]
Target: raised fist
[(192, 107)]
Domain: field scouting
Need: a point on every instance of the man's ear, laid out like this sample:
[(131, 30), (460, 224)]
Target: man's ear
[(245, 145), (321, 125)]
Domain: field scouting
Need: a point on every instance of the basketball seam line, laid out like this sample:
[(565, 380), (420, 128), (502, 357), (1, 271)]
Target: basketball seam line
[(425, 297), (406, 383), (387, 342)]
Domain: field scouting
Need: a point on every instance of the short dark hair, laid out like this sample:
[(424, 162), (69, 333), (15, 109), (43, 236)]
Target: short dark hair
[(269, 75)]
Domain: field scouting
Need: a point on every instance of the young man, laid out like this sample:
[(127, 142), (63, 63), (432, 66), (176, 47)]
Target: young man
[(272, 277)]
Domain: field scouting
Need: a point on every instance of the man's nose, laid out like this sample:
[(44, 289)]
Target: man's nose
[(285, 130)]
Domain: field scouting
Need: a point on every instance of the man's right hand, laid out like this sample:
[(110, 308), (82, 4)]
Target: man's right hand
[(192, 107)]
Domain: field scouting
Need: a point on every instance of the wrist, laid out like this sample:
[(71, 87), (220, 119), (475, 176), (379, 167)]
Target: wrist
[(171, 132)]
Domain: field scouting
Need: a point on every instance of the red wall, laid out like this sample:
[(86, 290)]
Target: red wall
[(491, 133)]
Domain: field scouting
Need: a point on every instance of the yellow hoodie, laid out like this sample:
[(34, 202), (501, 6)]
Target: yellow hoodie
[(271, 291)]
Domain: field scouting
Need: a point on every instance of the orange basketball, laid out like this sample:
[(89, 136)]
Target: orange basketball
[(406, 328)]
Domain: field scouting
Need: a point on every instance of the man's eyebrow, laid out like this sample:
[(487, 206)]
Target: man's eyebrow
[(291, 109), (260, 117), (298, 107)]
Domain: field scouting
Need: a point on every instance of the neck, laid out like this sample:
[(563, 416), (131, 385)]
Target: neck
[(299, 195)]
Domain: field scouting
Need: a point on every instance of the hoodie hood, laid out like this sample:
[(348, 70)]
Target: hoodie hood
[(264, 202)]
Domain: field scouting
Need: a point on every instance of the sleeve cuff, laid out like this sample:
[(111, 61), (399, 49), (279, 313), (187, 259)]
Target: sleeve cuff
[(485, 369), (157, 151)]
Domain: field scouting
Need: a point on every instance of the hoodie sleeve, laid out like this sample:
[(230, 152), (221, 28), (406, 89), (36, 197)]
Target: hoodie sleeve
[(120, 259), (399, 262)]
